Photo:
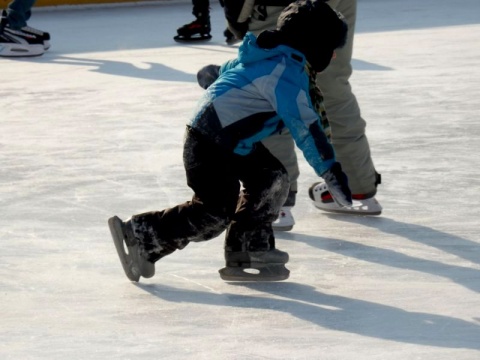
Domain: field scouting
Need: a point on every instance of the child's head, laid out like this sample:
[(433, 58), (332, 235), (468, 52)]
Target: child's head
[(311, 27)]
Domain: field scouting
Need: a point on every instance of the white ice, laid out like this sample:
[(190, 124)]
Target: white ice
[(94, 128)]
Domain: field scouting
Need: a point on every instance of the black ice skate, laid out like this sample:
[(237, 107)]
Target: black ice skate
[(133, 263), (197, 30), (45, 36), (255, 266), (15, 43)]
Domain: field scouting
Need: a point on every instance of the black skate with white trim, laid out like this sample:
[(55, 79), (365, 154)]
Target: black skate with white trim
[(45, 36), (17, 43), (197, 30), (133, 262), (255, 266)]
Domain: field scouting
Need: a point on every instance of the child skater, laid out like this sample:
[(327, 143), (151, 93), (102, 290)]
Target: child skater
[(238, 185)]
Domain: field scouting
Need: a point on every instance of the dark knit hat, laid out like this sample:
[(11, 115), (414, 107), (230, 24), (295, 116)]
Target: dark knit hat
[(311, 27)]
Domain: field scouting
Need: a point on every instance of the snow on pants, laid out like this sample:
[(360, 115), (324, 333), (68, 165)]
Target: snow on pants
[(348, 127), (215, 175)]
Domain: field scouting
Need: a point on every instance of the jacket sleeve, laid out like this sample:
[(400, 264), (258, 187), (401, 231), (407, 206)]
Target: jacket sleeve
[(229, 64), (305, 125), (237, 13)]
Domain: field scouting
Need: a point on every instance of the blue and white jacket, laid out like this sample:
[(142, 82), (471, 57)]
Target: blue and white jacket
[(258, 94)]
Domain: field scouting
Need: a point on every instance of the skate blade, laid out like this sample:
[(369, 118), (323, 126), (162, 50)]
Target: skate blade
[(347, 210), (282, 228), (260, 273), (19, 50), (116, 229), (185, 39)]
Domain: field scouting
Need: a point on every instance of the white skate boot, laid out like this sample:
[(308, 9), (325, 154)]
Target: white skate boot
[(322, 200), (285, 220)]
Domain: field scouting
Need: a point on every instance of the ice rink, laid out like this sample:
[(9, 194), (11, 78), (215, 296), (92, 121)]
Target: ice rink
[(94, 128)]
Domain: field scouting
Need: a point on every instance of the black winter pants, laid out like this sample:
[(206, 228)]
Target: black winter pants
[(201, 9), (215, 175)]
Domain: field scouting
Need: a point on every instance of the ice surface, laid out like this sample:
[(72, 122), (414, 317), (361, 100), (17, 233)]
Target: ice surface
[(94, 128)]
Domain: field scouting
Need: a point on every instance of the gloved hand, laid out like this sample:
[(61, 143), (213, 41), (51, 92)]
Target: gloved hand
[(207, 75), (268, 39), (337, 183)]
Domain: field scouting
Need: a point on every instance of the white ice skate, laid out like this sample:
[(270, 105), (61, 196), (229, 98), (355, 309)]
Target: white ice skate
[(285, 220), (322, 200), (255, 266), (133, 263)]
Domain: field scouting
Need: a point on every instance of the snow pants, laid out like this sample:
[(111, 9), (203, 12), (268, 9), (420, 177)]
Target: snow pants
[(18, 12), (348, 127), (215, 175), (201, 8)]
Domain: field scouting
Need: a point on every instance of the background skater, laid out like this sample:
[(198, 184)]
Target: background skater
[(200, 28)]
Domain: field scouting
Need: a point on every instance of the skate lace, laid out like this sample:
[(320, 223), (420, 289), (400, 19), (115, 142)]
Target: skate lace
[(20, 33)]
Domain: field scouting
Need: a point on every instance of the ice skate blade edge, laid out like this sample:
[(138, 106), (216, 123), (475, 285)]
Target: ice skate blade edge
[(282, 228), (347, 211), (115, 225), (265, 273), (183, 39)]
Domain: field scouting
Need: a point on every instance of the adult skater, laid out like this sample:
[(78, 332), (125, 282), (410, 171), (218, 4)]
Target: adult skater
[(200, 28), (347, 125), (267, 82)]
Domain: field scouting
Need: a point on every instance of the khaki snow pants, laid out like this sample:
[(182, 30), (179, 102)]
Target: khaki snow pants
[(348, 127)]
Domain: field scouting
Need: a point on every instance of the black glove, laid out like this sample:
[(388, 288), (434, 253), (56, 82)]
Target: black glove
[(337, 183), (268, 39), (207, 75)]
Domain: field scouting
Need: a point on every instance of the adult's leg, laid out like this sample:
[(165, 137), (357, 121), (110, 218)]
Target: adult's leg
[(348, 127), (201, 9), (18, 13)]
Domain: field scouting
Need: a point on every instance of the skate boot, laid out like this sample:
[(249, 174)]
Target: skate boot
[(255, 266), (197, 30), (45, 36), (322, 199), (16, 43), (133, 261), (285, 220)]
